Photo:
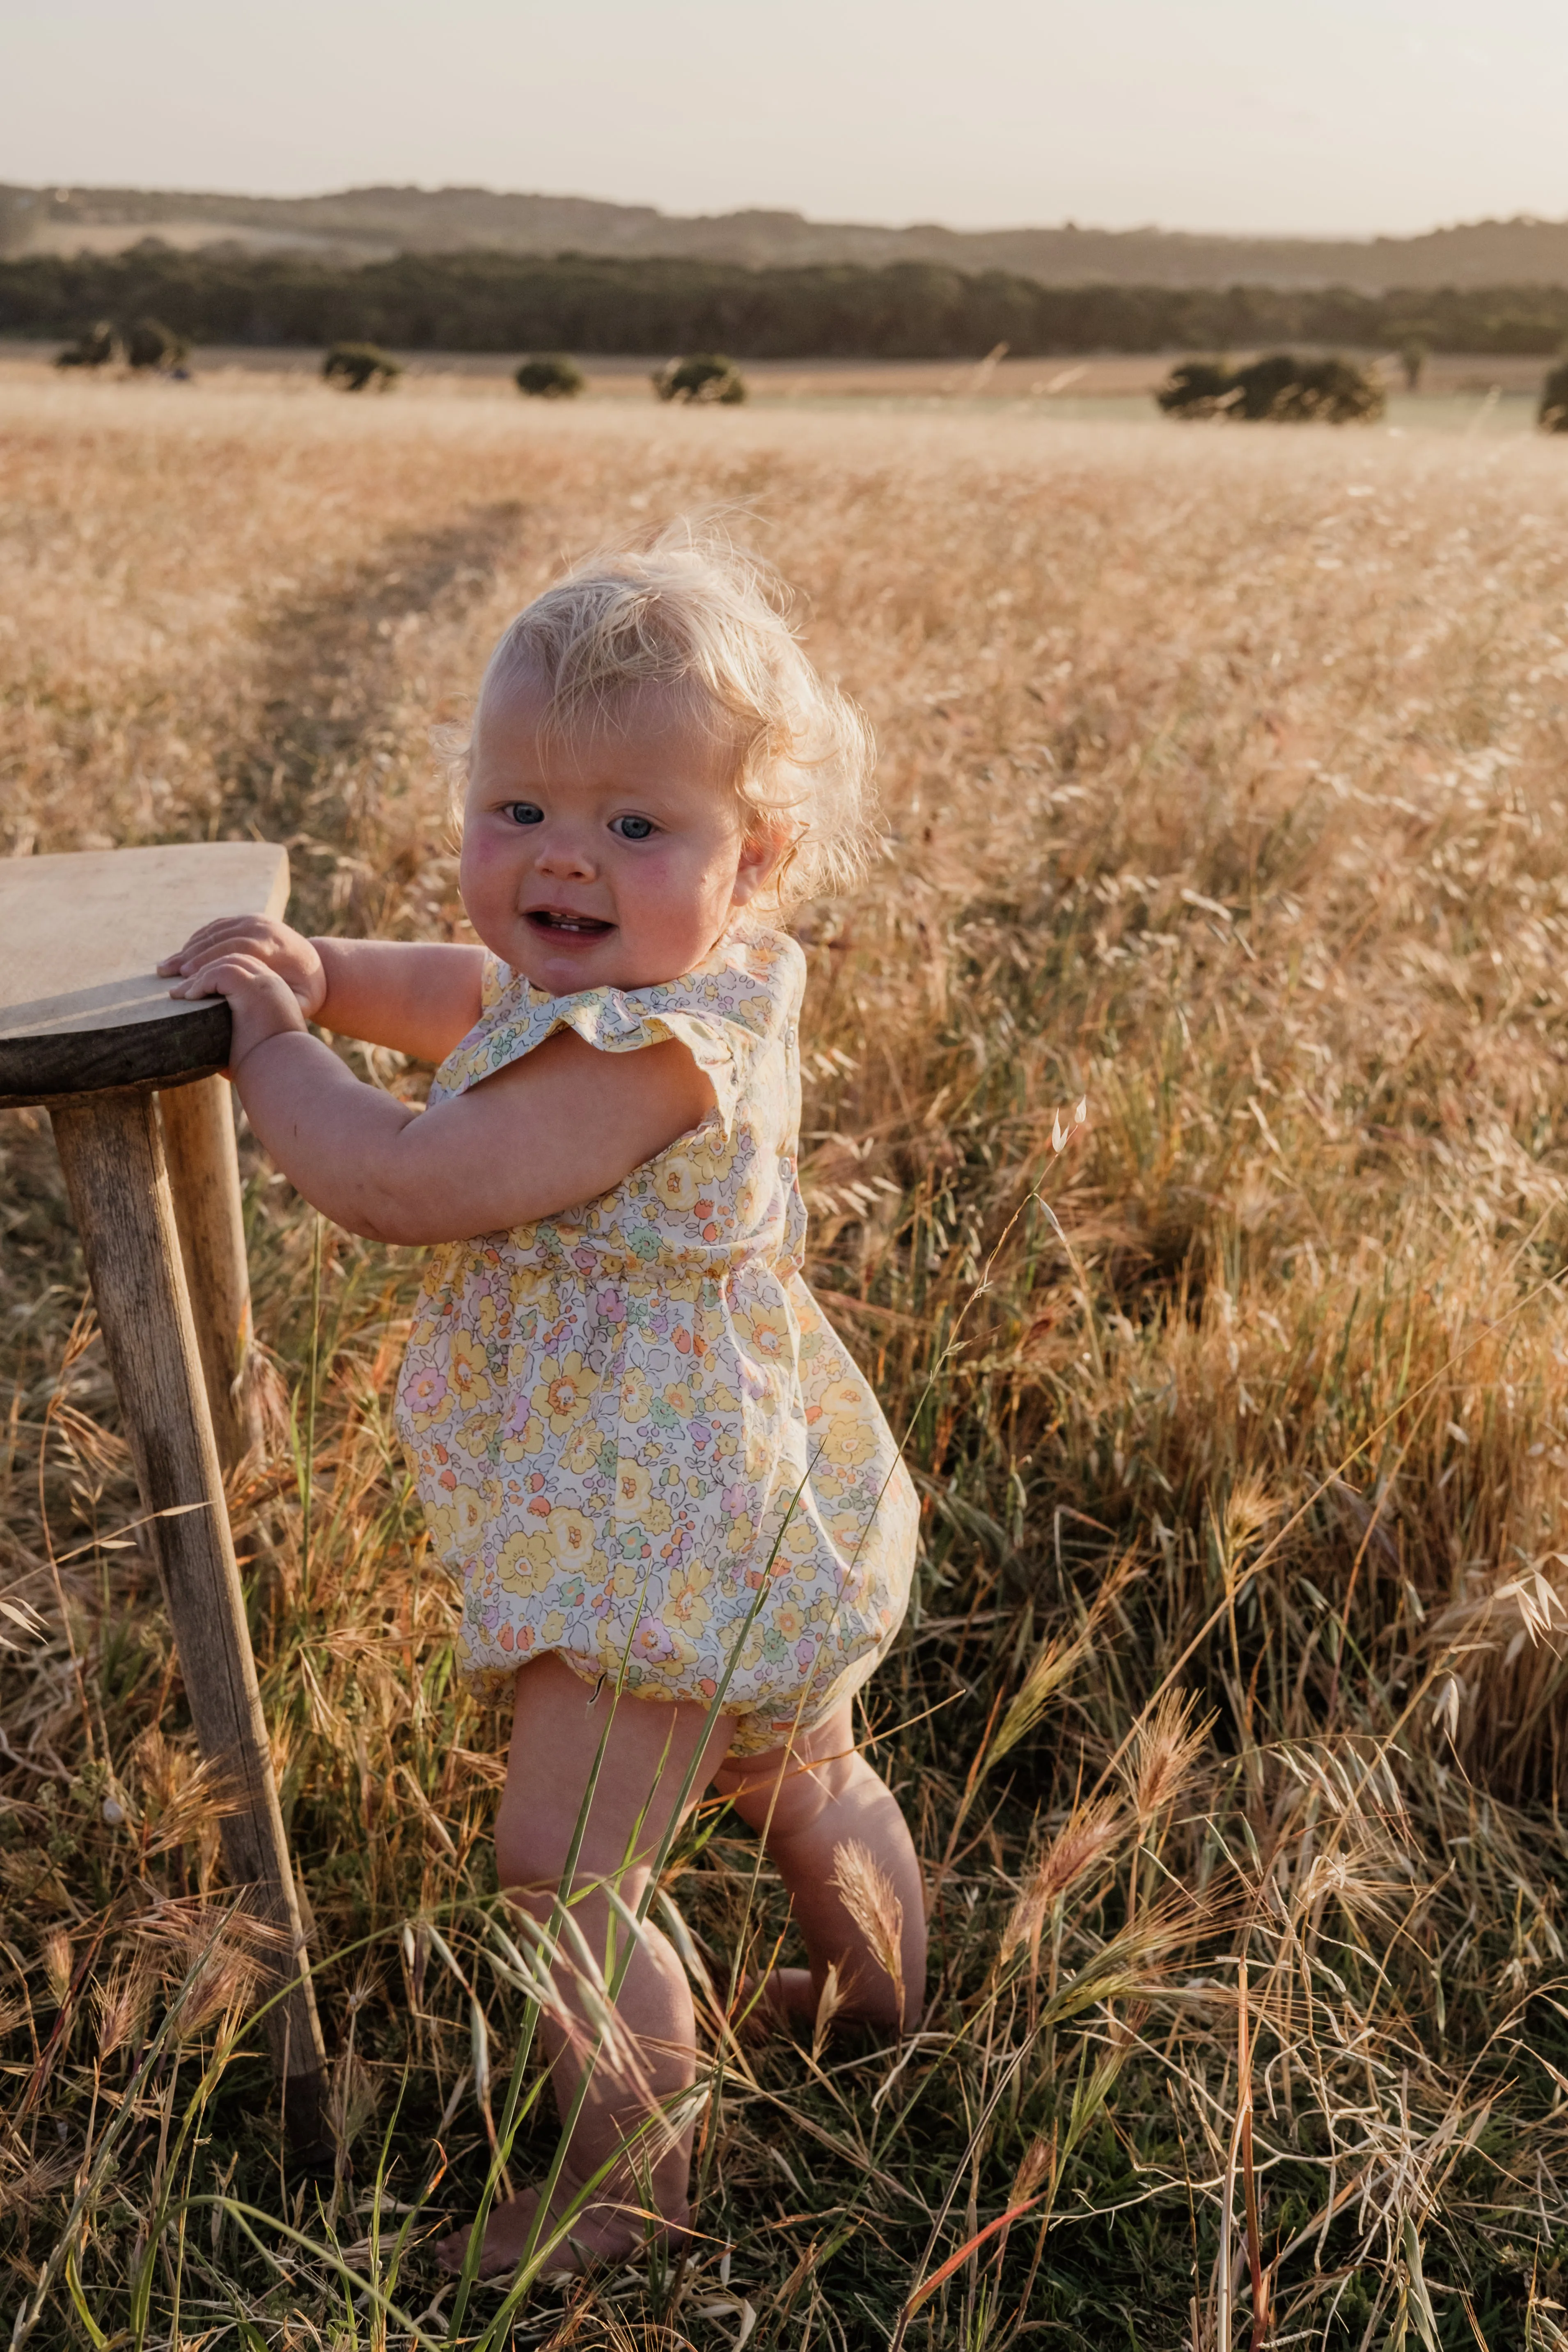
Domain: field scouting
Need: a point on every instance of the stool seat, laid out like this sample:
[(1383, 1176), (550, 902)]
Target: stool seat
[(82, 1001)]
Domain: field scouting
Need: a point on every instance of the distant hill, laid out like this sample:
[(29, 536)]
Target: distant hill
[(373, 224)]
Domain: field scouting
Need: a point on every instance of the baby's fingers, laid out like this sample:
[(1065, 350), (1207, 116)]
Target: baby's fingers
[(219, 975), (198, 948), (262, 1004), (245, 932)]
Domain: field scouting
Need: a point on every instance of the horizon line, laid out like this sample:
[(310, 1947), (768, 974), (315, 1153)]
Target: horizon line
[(1069, 226)]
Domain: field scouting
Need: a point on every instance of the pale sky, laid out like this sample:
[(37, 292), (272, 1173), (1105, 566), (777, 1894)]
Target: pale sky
[(1345, 116)]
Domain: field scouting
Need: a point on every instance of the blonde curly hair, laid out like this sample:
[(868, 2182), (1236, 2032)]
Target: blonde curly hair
[(689, 616)]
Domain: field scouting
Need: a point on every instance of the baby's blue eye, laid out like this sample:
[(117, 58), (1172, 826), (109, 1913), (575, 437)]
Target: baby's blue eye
[(633, 828), (523, 812)]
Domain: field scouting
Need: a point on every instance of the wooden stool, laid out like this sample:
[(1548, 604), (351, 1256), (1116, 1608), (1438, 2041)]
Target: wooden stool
[(145, 1134)]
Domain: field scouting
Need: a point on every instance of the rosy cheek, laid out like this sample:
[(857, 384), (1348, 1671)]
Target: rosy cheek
[(488, 850), (655, 880)]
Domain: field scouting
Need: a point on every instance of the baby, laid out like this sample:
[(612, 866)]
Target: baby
[(672, 1502)]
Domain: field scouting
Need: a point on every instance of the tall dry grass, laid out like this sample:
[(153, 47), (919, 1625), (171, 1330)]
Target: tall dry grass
[(1225, 777)]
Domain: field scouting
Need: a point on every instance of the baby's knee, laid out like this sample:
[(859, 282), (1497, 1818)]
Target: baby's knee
[(532, 1854), (786, 1797)]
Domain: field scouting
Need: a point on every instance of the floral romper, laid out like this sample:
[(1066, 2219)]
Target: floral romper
[(626, 1419)]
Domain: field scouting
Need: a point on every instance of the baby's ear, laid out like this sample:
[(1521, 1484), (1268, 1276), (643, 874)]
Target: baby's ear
[(764, 854)]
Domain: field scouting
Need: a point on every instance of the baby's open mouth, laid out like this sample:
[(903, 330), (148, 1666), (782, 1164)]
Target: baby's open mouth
[(547, 919)]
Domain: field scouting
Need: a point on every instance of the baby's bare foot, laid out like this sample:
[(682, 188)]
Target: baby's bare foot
[(596, 2233), (783, 1998)]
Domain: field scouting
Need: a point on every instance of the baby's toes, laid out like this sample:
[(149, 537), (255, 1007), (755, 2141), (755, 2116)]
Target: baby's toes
[(507, 2233), (769, 2006), (451, 2251)]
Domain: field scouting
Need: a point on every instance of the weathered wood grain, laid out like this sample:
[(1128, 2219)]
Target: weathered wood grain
[(113, 1153), (203, 1175), (81, 1003)]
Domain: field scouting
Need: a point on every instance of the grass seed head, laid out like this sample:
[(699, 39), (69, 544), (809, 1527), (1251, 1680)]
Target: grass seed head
[(224, 1983), (351, 2098), (1036, 2165), (1056, 1660), (1165, 1750), (835, 1991), (1249, 1511), (56, 1955), (184, 1797), (867, 1895), (1087, 1839), (28, 2182), (121, 2002)]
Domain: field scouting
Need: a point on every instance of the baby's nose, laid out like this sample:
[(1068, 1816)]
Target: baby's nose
[(560, 853)]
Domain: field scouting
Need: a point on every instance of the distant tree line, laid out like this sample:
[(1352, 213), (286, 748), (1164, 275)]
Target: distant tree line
[(476, 301)]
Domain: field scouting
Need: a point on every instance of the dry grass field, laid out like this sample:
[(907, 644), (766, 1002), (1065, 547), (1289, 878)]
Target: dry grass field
[(1225, 778)]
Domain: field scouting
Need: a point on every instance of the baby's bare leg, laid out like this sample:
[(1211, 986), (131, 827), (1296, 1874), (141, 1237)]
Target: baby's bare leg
[(555, 1735), (807, 1801)]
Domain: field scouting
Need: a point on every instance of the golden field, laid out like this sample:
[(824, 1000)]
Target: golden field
[(1225, 774)]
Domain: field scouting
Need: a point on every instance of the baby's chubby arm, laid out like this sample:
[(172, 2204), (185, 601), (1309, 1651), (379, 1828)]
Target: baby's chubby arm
[(561, 1126), (419, 999)]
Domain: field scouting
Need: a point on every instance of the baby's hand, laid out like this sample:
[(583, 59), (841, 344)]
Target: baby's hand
[(260, 1000), (255, 937)]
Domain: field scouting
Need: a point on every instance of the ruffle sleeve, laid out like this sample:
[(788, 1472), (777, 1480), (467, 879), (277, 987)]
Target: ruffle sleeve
[(721, 1017)]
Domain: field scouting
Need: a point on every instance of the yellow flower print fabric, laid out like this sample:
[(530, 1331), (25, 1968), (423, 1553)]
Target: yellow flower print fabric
[(627, 1420)]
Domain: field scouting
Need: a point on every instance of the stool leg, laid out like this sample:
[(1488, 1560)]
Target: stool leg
[(204, 1174), (112, 1154)]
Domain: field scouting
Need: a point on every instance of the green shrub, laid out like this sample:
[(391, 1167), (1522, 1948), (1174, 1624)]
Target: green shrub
[(357, 364), (1552, 414), (704, 377), (1199, 388), (1285, 390), (95, 347), (1278, 390), (553, 376), (151, 345)]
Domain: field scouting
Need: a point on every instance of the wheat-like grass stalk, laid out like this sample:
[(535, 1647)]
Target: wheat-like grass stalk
[(1088, 1836), (835, 1991), (868, 1895)]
